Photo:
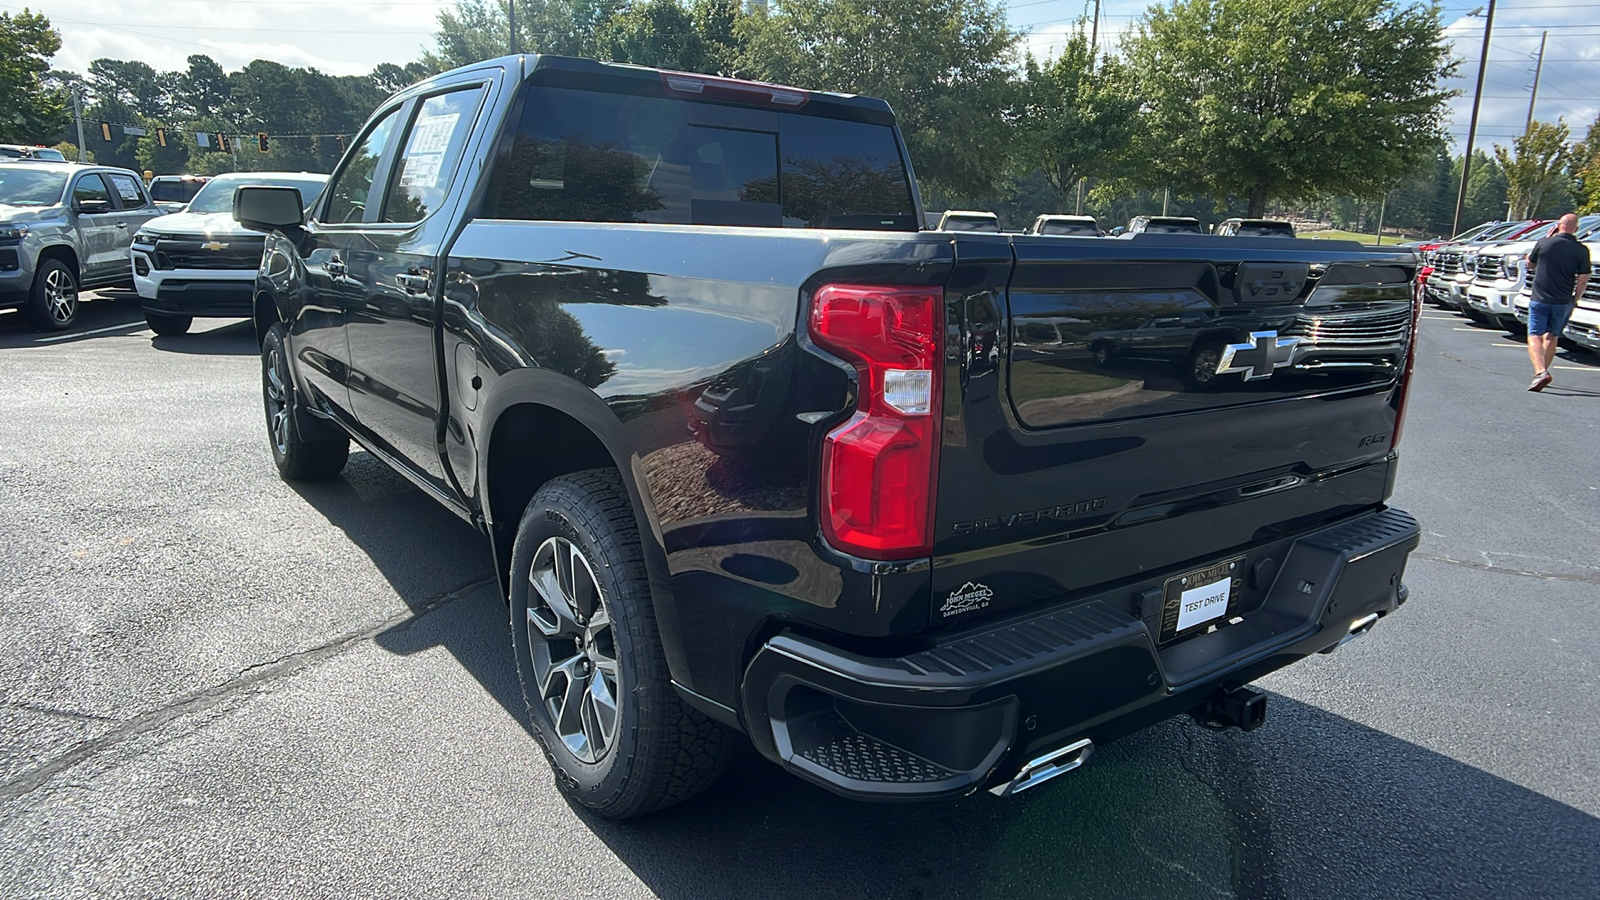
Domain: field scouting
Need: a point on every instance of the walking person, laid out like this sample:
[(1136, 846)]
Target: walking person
[(1561, 272)]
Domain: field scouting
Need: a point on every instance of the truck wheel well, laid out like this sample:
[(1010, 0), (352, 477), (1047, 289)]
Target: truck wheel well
[(532, 444), (63, 253), (265, 313)]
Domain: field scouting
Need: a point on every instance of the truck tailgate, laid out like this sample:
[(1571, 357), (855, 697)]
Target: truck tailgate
[(1118, 411)]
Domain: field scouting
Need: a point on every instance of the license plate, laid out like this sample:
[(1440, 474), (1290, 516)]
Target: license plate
[(1198, 599)]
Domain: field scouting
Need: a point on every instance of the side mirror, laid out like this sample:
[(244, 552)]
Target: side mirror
[(261, 208), (1118, 231), (92, 207)]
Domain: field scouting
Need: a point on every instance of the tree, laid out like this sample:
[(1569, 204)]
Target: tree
[(476, 30), (201, 90), (31, 110), (945, 66), (1585, 170), (657, 33), (133, 84), (1077, 119), (1288, 99), (1486, 190), (1537, 171)]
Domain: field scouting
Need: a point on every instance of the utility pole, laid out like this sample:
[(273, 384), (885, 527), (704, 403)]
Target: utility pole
[(1094, 29), (511, 16), (1381, 208), (1079, 210), (1538, 70), (1472, 129), (1165, 197), (77, 115)]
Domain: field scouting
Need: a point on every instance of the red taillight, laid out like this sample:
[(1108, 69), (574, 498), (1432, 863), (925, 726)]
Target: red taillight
[(878, 468)]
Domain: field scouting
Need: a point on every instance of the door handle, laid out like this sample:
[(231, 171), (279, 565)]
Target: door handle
[(122, 224), (415, 280), (335, 267)]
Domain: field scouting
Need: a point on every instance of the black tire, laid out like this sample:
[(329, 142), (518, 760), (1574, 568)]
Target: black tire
[(166, 325), (297, 459), (53, 300), (1103, 354), (658, 751), (1200, 369)]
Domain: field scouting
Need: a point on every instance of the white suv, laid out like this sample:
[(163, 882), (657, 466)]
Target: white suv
[(201, 262)]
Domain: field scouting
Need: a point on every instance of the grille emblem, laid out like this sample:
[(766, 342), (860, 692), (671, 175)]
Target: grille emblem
[(1264, 354), (213, 246)]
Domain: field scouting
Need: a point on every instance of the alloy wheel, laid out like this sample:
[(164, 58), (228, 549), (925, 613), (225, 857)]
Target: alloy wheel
[(275, 373), (573, 647), (61, 295)]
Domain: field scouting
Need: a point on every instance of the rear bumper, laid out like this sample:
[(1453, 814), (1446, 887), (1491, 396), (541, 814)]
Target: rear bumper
[(973, 710)]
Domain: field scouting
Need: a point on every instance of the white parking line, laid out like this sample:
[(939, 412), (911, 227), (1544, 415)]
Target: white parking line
[(75, 334)]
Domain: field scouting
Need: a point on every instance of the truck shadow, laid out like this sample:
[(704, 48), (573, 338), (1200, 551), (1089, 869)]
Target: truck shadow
[(1313, 805), (237, 338)]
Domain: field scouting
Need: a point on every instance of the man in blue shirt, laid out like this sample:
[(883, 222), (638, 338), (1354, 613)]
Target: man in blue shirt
[(1561, 272)]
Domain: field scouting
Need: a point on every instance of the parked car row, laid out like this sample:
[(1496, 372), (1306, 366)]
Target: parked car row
[(1086, 226), (1484, 273), (68, 227)]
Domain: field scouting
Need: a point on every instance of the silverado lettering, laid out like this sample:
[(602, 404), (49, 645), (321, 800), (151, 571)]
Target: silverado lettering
[(1030, 517)]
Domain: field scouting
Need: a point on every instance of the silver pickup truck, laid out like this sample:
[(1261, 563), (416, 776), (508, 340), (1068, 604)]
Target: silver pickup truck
[(65, 227)]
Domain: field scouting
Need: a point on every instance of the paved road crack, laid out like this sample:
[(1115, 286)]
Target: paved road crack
[(1575, 577), (59, 713), (208, 698)]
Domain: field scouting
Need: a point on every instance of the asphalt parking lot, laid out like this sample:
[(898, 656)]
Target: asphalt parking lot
[(215, 684)]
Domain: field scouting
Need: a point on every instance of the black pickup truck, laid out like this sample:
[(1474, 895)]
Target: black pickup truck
[(755, 454)]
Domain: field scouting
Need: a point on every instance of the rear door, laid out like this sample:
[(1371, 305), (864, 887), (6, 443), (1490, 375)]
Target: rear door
[(134, 209), (1251, 393)]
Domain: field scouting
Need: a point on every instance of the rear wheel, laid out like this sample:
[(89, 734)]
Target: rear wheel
[(594, 676), (297, 459), (53, 301), (163, 324)]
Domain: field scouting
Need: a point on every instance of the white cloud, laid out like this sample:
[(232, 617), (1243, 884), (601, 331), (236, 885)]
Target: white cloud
[(341, 38)]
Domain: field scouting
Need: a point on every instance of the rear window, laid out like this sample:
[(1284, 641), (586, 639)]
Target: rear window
[(971, 223), (176, 191), (1082, 228), (588, 156), (1173, 228), (1248, 230)]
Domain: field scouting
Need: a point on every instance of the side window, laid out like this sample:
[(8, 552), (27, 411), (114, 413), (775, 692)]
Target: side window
[(89, 188), (588, 156), (349, 195), (432, 152), (128, 191)]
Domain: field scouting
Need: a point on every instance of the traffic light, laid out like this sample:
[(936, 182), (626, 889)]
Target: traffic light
[(222, 142), (161, 136), (261, 141), (105, 131)]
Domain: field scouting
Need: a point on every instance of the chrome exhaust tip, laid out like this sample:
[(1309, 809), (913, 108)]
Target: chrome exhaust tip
[(1358, 628), (1046, 767)]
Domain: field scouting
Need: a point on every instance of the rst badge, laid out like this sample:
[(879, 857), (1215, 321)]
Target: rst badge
[(968, 598), (1258, 358)]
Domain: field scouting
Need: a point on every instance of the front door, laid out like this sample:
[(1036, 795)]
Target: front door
[(394, 378), (335, 238), (97, 227)]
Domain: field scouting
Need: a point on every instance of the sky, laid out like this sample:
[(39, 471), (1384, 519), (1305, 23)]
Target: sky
[(347, 37)]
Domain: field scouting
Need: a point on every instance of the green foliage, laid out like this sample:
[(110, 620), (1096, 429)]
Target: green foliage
[(1537, 174), (1585, 170), (1077, 117), (945, 66), (1281, 99), (30, 109), (476, 30), (659, 33)]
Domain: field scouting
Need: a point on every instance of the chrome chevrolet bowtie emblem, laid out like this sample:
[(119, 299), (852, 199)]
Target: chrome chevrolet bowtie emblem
[(1265, 353), (213, 246)]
